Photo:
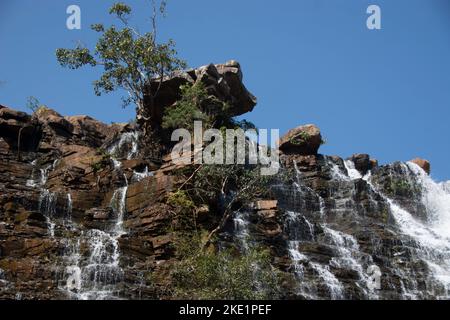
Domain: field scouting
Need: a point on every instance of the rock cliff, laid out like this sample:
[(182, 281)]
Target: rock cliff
[(84, 214)]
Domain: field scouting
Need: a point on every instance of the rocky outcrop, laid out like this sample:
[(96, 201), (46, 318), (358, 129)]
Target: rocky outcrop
[(303, 140), (424, 164), (18, 130), (224, 81)]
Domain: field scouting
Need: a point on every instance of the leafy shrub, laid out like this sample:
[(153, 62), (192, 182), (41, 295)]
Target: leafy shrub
[(184, 218), (224, 275), (188, 108)]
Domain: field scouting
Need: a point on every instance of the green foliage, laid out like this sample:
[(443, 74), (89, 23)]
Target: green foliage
[(180, 198), (197, 105), (33, 104), (397, 185), (400, 187), (300, 139), (75, 58), (223, 275), (130, 60), (101, 163), (188, 108), (121, 10), (185, 218), (245, 183)]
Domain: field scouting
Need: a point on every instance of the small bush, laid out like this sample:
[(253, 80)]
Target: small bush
[(224, 275), (188, 108)]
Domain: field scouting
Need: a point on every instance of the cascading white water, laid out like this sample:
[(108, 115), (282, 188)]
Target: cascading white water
[(139, 176), (446, 186), (432, 237), (349, 257), (299, 229), (347, 254), (47, 206), (352, 172), (118, 203), (329, 279), (47, 199), (241, 229), (96, 277), (128, 141), (336, 172)]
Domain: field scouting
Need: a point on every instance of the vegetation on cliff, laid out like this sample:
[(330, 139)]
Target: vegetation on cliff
[(130, 60)]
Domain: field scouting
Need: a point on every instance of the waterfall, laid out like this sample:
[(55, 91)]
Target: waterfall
[(335, 287), (47, 206), (308, 227), (47, 199), (118, 204), (241, 229), (126, 147), (92, 258), (300, 230), (139, 176), (96, 276), (349, 257), (352, 172), (432, 237), (446, 186)]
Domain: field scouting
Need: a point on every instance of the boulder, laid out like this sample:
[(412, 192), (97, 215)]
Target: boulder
[(223, 81), (303, 140), (424, 164)]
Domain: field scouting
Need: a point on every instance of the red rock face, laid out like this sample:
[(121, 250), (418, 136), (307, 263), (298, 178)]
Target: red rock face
[(68, 208), (60, 188)]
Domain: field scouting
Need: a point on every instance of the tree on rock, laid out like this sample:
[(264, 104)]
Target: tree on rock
[(131, 60)]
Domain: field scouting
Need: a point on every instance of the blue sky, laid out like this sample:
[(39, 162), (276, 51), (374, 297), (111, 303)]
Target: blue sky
[(386, 92)]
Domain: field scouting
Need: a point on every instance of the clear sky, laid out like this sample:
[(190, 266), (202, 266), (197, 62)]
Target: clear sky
[(386, 92)]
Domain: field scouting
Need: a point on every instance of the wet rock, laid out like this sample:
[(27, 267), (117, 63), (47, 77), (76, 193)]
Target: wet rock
[(362, 162), (303, 140), (99, 213), (398, 183)]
